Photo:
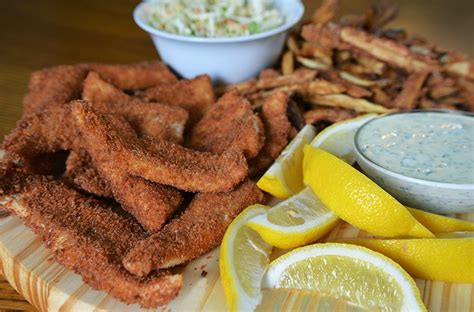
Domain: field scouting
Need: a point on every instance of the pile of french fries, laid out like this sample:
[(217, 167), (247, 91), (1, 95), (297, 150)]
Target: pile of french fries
[(338, 70)]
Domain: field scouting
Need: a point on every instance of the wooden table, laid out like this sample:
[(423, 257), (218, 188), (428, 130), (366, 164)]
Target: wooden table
[(37, 34)]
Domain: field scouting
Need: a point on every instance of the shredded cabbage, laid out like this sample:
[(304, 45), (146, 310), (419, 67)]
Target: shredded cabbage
[(213, 18)]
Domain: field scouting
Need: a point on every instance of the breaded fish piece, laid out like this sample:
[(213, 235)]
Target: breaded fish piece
[(229, 124), (153, 119), (199, 229), (160, 161), (150, 203), (55, 86), (195, 95), (81, 172), (52, 87), (277, 127), (134, 76), (46, 131), (86, 236)]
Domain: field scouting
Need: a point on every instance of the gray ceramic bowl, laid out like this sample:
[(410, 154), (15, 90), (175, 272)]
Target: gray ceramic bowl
[(437, 197)]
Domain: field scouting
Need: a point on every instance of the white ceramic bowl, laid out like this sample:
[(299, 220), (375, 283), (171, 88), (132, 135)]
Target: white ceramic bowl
[(437, 197), (226, 60)]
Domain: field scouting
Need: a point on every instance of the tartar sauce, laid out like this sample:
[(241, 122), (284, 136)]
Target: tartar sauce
[(432, 146)]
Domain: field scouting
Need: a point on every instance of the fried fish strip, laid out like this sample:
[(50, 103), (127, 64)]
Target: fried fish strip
[(46, 131), (277, 127), (134, 76), (81, 172), (41, 133), (195, 95), (160, 161), (153, 119), (52, 87), (199, 229), (150, 203), (86, 236), (229, 124)]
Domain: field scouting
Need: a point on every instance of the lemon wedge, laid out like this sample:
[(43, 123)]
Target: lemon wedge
[(285, 177), (442, 259), (294, 222), (338, 138), (356, 274), (441, 224), (355, 198), (244, 257)]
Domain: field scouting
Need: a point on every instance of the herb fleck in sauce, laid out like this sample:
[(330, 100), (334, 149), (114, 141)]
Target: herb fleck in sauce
[(428, 145)]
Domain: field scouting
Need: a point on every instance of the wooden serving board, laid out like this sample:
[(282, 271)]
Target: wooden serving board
[(31, 270)]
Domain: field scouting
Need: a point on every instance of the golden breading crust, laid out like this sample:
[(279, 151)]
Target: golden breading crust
[(160, 161), (229, 124), (195, 95), (199, 229), (55, 86), (47, 131), (81, 172), (52, 87), (150, 203), (134, 76), (86, 236), (277, 128), (153, 119)]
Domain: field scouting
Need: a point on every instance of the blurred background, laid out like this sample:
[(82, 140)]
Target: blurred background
[(37, 34)]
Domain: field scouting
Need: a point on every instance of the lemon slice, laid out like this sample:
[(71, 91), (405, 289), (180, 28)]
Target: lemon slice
[(338, 139), (244, 257), (285, 177), (297, 221), (442, 259), (355, 274), (441, 224), (355, 198)]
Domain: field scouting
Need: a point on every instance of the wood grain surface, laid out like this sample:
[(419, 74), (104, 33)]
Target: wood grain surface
[(38, 34), (30, 268)]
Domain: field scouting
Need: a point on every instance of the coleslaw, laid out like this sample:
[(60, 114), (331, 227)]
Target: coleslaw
[(213, 18)]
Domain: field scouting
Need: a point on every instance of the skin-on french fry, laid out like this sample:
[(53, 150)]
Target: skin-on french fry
[(411, 90), (313, 50), (292, 44), (312, 63), (345, 101), (287, 63), (325, 12)]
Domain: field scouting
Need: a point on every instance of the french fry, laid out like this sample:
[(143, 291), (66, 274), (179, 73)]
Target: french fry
[(411, 90), (321, 87), (298, 76), (362, 82), (464, 69), (345, 101), (292, 44), (313, 50), (311, 63), (386, 50), (325, 12), (371, 65), (287, 63), (331, 114)]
